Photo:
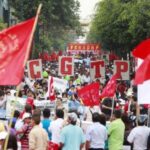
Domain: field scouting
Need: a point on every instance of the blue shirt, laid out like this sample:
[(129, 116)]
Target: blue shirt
[(72, 137), (45, 125), (73, 105)]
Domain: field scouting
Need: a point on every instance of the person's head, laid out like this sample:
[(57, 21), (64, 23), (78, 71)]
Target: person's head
[(16, 114), (142, 120), (28, 108), (46, 113), (26, 118), (72, 118), (36, 118), (102, 119), (117, 113), (95, 117), (59, 113)]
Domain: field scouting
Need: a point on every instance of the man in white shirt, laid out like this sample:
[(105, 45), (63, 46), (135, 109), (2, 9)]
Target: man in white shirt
[(139, 135), (87, 78), (96, 134), (56, 126)]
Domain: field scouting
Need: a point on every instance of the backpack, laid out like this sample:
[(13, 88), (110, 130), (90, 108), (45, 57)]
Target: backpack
[(148, 142)]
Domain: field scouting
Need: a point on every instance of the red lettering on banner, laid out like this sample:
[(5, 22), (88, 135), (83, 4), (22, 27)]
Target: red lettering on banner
[(35, 74), (121, 67), (97, 65), (66, 66)]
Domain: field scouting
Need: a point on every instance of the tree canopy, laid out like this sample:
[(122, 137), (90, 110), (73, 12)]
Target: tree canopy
[(57, 18), (119, 25), (2, 25)]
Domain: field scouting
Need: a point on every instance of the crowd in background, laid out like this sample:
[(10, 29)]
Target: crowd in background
[(70, 125)]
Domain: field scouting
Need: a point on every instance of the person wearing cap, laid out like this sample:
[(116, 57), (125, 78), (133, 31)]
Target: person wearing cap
[(3, 136), (24, 131), (139, 135), (72, 136)]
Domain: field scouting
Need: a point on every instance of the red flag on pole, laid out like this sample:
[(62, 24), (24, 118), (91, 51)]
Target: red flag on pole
[(90, 94), (143, 72), (142, 50), (13, 50), (110, 88), (51, 89)]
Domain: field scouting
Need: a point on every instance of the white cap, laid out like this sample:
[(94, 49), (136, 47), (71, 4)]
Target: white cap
[(3, 135), (72, 116), (26, 115)]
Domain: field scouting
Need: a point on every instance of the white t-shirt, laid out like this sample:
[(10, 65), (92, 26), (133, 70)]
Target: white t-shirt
[(97, 135), (55, 128), (138, 136), (86, 79)]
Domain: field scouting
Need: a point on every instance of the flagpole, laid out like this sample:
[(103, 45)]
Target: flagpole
[(112, 108), (26, 57), (32, 33), (12, 114)]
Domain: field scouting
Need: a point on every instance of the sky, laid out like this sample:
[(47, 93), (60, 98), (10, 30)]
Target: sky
[(87, 8)]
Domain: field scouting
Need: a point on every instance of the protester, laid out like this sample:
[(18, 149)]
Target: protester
[(38, 137), (24, 131), (73, 103), (46, 121), (139, 135), (116, 132), (96, 134), (56, 126), (107, 107), (72, 137), (2, 100)]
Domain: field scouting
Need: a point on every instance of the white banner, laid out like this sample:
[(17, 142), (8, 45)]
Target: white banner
[(143, 90), (60, 84), (66, 66), (97, 69), (34, 69), (122, 68), (19, 103)]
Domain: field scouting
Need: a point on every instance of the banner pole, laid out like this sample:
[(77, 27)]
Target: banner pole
[(12, 114), (26, 57), (112, 108), (32, 33)]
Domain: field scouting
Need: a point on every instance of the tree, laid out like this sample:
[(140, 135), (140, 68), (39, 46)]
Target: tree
[(119, 25), (57, 18), (2, 25)]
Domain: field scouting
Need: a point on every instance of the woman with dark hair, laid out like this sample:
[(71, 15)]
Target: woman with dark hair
[(96, 134)]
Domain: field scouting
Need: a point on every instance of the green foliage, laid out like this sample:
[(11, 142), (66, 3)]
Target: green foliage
[(2, 25), (121, 24), (56, 19)]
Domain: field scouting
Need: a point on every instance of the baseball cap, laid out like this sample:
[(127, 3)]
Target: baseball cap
[(26, 115), (142, 118), (3, 135), (72, 116)]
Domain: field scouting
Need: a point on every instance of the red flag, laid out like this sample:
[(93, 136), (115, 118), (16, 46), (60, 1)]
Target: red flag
[(142, 50), (143, 72), (90, 94), (13, 50), (110, 88), (51, 89)]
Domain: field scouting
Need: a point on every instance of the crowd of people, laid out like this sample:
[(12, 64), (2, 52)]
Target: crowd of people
[(70, 125)]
